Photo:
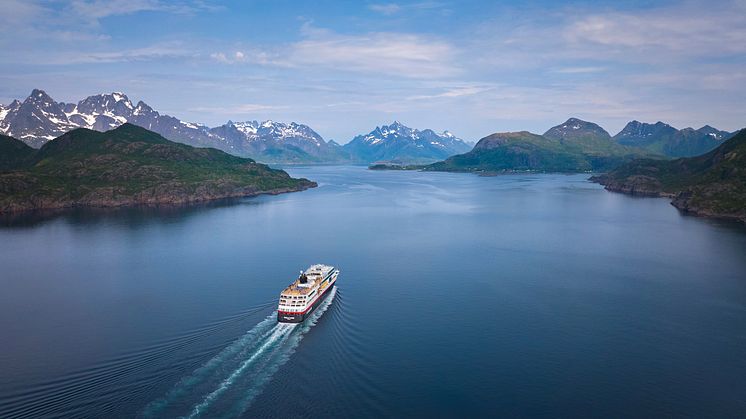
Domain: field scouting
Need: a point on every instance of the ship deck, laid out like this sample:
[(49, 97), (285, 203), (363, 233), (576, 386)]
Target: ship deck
[(294, 289), (315, 273)]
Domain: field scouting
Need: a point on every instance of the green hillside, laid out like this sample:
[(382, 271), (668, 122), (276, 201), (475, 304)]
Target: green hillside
[(14, 154), (524, 151), (130, 165), (713, 184)]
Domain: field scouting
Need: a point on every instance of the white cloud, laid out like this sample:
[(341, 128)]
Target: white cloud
[(79, 20), (386, 9), (97, 9), (389, 9), (454, 92), (238, 109), (685, 31), (580, 70), (159, 51), (392, 54), (230, 58)]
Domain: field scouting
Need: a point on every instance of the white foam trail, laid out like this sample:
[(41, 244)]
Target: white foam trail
[(247, 341), (268, 346), (280, 331), (287, 350)]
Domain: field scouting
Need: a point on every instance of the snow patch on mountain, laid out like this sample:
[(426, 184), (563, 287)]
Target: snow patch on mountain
[(398, 142)]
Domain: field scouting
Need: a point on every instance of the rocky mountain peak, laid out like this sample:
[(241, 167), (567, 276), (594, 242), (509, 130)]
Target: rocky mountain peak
[(40, 119), (37, 96), (398, 142), (714, 132), (642, 129), (576, 128), (142, 107), (112, 104), (663, 138), (396, 129)]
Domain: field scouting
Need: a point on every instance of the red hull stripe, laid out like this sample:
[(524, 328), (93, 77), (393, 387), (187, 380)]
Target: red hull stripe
[(328, 287)]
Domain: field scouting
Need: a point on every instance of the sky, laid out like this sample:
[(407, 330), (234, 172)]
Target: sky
[(345, 67)]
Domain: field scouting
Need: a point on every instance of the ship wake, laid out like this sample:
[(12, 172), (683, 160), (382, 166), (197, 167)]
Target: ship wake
[(227, 384)]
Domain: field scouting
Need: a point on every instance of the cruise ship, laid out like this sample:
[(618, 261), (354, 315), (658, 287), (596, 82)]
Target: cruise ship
[(301, 298)]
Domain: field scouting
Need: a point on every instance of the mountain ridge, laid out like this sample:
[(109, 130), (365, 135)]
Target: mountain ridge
[(399, 143), (39, 119), (573, 146), (664, 139)]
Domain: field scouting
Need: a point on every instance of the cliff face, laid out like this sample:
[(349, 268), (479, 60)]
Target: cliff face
[(133, 166), (710, 185)]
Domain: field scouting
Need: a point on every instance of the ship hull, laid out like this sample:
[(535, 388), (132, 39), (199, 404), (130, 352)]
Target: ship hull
[(287, 317)]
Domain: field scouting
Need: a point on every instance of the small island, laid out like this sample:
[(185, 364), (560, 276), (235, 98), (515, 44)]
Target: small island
[(395, 166), (129, 165), (711, 185)]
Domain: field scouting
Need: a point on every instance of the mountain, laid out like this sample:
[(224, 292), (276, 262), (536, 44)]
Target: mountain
[(574, 146), (39, 119), (14, 154), (515, 151), (664, 139), (401, 144), (279, 142), (35, 120), (589, 138), (575, 129), (125, 166), (712, 184)]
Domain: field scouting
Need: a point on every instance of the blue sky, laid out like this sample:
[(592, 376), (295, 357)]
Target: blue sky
[(343, 67)]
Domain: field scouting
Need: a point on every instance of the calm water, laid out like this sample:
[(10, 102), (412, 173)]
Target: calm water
[(523, 295)]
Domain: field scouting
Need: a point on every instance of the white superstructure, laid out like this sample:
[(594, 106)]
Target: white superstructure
[(301, 297)]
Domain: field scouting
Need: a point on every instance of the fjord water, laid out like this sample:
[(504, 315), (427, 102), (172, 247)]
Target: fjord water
[(459, 295)]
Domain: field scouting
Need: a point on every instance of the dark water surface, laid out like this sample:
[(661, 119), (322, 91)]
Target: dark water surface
[(523, 295)]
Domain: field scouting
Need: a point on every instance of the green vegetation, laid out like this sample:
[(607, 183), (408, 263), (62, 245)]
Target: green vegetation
[(393, 166), (524, 151), (14, 154), (129, 165), (713, 184)]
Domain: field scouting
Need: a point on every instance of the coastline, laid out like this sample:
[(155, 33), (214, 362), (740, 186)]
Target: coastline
[(645, 186), (161, 195)]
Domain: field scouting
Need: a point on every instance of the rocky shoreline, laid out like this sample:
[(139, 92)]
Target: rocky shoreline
[(638, 185), (689, 201), (168, 194), (128, 166)]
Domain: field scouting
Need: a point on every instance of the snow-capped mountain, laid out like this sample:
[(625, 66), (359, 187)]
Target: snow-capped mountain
[(278, 141), (399, 143), (35, 120), (39, 119), (665, 139)]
